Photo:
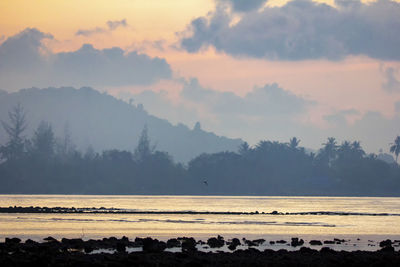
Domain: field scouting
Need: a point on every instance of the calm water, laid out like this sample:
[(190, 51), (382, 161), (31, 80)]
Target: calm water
[(37, 226)]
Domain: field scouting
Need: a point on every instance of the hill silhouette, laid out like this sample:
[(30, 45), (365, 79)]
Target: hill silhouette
[(102, 122)]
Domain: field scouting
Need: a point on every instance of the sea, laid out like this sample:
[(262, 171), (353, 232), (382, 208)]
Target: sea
[(361, 221)]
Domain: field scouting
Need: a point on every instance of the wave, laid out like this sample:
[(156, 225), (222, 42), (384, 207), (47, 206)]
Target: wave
[(196, 221)]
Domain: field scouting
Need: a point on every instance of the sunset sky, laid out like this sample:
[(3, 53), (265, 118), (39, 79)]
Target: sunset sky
[(250, 69)]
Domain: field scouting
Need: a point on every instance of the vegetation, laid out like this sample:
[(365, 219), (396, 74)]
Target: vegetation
[(395, 147), (47, 164)]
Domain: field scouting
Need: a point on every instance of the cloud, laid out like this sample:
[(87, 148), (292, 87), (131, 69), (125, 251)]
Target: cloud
[(302, 30), (111, 26), (391, 83), (270, 100), (340, 117), (244, 5), (23, 51), (397, 107), (25, 62), (265, 112)]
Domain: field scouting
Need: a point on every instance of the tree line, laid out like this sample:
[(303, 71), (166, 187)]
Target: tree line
[(47, 164)]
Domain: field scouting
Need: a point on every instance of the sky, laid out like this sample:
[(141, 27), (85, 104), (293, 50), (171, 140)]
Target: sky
[(257, 70)]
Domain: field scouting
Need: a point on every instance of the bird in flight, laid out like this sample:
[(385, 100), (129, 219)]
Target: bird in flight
[(205, 182)]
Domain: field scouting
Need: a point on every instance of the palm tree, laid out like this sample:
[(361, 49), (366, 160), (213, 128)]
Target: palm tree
[(294, 142), (329, 150), (395, 147), (357, 149)]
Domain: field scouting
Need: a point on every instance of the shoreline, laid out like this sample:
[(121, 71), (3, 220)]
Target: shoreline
[(186, 251), (102, 210)]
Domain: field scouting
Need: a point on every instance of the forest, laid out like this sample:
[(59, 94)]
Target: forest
[(46, 164)]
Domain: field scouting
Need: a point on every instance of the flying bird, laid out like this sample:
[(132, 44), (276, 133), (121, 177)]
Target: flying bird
[(205, 182)]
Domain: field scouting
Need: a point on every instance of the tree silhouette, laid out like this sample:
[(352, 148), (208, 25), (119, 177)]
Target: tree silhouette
[(329, 150), (143, 149), (43, 140), (294, 143), (395, 147), (244, 148), (14, 129), (357, 149)]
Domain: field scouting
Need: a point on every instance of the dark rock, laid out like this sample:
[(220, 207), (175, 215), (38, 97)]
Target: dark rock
[(30, 242), (329, 242), (327, 250), (173, 242), (387, 249), (315, 243), (250, 243), (189, 244), (259, 241), (50, 239), (272, 242), (385, 243), (274, 212), (281, 242), (88, 249), (153, 245), (296, 242), (236, 241), (215, 242), (339, 241), (13, 240), (121, 247), (307, 250), (124, 239)]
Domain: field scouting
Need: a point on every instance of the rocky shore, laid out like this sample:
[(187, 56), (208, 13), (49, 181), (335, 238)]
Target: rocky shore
[(103, 210), (187, 251)]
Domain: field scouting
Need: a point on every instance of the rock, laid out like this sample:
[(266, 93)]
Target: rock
[(125, 240), (30, 242), (250, 243), (387, 249), (307, 250), (232, 246), (50, 239), (329, 242), (88, 249), (274, 212), (327, 250), (385, 243), (281, 242), (215, 242), (75, 243), (272, 242), (121, 247), (173, 243), (339, 241), (236, 241), (13, 240), (259, 241), (315, 243), (189, 244), (150, 245), (296, 242)]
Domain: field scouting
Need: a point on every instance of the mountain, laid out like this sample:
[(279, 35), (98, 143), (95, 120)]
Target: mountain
[(103, 122)]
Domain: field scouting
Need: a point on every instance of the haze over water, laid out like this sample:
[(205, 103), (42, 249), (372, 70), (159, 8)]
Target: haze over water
[(164, 226)]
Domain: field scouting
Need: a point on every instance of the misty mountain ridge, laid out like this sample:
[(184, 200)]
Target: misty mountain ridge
[(101, 121)]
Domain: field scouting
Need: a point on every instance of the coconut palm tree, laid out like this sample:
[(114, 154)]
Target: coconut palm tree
[(395, 147), (294, 143), (357, 149)]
